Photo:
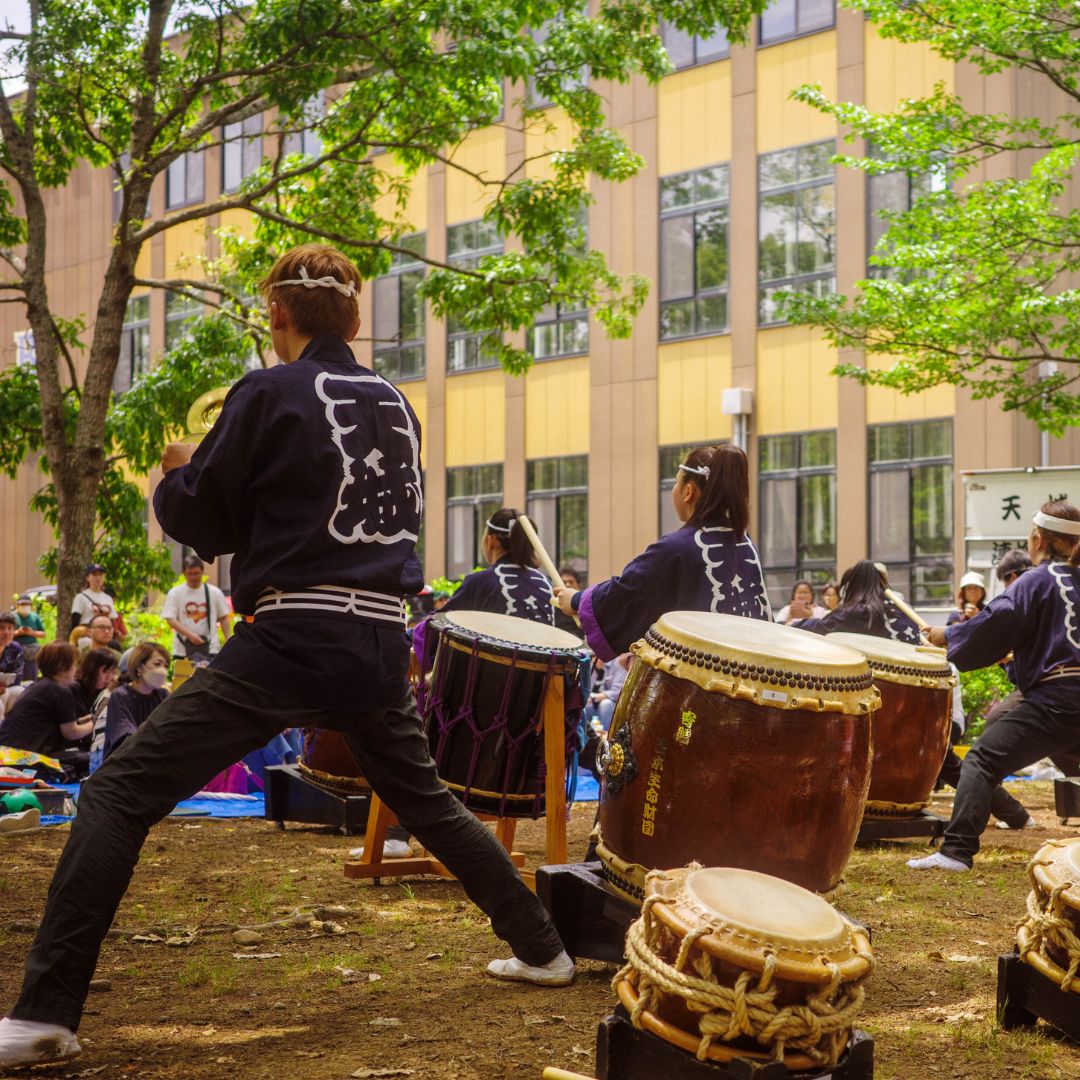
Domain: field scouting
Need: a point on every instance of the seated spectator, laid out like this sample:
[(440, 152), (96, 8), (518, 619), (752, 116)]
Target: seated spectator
[(830, 596), (140, 692), (604, 695), (11, 662), (30, 634), (99, 634), (971, 598), (802, 593), (98, 671), (571, 580), (46, 717)]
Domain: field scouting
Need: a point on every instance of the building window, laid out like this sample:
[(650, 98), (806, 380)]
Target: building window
[(686, 50), (559, 330), (241, 151), (911, 507), (184, 180), (671, 457), (890, 194), (398, 315), (179, 311), (694, 253), (784, 19), (466, 245), (134, 344), (473, 494), (307, 141), (558, 503), (797, 510), (574, 81), (796, 225)]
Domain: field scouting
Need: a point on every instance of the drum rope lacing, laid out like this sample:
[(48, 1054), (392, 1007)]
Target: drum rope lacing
[(1048, 926), (819, 1028)]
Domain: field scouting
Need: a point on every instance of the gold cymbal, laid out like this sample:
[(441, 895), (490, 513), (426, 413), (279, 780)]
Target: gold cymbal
[(205, 409)]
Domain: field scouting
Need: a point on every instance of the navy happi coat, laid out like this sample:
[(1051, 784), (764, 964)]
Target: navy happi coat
[(859, 619), (507, 589)]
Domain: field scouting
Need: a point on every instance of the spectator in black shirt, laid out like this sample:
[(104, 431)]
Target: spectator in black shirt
[(46, 717), (140, 692)]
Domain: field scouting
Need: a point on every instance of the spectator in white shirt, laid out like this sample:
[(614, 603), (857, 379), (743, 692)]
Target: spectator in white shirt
[(802, 591), (195, 610)]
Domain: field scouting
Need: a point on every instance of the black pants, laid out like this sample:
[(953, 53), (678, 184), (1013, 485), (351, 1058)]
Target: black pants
[(1068, 761), (1025, 735), (1002, 805), (213, 720)]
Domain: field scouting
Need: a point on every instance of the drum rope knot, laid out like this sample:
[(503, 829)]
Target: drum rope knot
[(820, 1027), (1050, 928)]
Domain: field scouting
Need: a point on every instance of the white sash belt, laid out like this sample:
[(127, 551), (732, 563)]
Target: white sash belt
[(385, 607)]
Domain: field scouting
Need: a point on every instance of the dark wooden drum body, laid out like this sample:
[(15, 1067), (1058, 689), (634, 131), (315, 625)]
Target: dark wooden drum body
[(483, 709), (913, 725), (764, 771), (326, 759)]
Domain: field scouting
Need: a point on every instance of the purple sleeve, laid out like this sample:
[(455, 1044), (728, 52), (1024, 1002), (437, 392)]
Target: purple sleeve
[(593, 634), (119, 720), (985, 638)]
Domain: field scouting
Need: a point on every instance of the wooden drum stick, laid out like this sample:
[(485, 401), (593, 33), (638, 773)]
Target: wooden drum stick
[(551, 1073), (907, 609), (543, 558)]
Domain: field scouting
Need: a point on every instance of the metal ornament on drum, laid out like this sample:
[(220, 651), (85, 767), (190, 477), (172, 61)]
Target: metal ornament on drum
[(913, 725), (483, 710), (736, 743), (325, 759), (731, 963), (1049, 938)]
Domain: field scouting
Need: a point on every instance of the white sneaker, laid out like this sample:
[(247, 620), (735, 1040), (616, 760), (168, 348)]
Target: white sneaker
[(1029, 824), (28, 1042), (23, 821), (557, 972), (937, 861), (392, 849)]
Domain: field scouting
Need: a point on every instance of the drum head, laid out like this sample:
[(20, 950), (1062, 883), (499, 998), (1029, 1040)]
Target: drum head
[(1058, 863), (888, 657), (766, 909), (504, 629)]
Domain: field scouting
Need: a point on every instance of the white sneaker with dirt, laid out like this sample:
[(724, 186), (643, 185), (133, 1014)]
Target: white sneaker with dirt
[(557, 972), (937, 861), (23, 821), (1030, 823), (392, 849), (27, 1042)]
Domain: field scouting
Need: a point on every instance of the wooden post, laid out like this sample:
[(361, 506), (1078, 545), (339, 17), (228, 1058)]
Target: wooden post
[(554, 721)]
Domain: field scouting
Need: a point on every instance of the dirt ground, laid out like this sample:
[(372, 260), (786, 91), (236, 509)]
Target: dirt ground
[(397, 983)]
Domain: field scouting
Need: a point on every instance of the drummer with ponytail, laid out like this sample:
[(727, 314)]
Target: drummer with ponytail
[(1038, 619), (710, 564)]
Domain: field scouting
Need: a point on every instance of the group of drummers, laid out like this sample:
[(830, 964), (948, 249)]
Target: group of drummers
[(311, 477)]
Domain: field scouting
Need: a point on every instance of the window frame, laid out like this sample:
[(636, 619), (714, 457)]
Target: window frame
[(189, 158), (400, 266), (470, 261), (557, 495), (238, 143), (475, 499), (695, 42), (763, 44), (194, 310), (909, 465), (130, 329), (792, 281)]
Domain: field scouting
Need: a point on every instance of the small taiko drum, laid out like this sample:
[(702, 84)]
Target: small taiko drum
[(483, 709), (912, 727), (739, 743), (732, 963), (1049, 938), (326, 759)]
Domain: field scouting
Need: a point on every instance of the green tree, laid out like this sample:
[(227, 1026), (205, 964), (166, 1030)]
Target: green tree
[(973, 285), (106, 84)]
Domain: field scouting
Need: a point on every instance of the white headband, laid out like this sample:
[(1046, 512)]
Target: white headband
[(1056, 524), (501, 528), (328, 282), (698, 470)]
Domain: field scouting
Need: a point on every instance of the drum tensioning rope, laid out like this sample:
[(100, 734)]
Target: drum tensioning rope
[(1047, 925), (749, 1008)]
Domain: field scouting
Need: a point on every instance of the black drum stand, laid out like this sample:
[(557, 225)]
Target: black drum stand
[(1067, 798), (291, 796), (874, 829), (1025, 995), (592, 919), (624, 1052)]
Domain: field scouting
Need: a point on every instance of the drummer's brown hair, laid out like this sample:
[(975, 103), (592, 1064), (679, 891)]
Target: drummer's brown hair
[(316, 309), (517, 545), (1061, 545), (725, 492)]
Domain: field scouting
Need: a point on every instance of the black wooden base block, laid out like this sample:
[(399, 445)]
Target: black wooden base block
[(1067, 798), (897, 828), (625, 1053), (592, 920), (1025, 995), (291, 796)]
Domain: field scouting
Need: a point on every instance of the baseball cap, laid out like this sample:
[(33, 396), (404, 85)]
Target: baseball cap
[(94, 568)]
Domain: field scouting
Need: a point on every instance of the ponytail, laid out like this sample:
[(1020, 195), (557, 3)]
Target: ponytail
[(1060, 544), (503, 525), (723, 475)]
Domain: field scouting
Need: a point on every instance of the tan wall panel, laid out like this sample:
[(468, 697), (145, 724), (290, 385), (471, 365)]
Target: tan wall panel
[(694, 118), (898, 70), (551, 131), (482, 153), (691, 378), (557, 408), (475, 418), (796, 391), (184, 245), (782, 68), (413, 215), (886, 406)]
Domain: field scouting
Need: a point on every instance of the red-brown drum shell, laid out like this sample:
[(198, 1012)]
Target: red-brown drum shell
[(911, 738), (780, 791), (325, 757)]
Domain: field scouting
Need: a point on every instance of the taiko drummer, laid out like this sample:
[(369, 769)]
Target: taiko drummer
[(1038, 620), (312, 475), (710, 564)]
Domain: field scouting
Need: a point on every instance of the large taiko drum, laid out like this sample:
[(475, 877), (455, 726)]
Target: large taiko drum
[(913, 725), (731, 963), (483, 709), (1049, 938), (325, 758), (736, 743)]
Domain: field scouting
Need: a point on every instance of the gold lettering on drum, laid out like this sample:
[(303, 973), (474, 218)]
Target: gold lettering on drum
[(682, 735), (652, 790)]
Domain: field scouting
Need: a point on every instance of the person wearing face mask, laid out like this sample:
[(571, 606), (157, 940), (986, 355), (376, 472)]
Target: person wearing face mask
[(46, 717), (12, 663), (29, 634), (140, 692)]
